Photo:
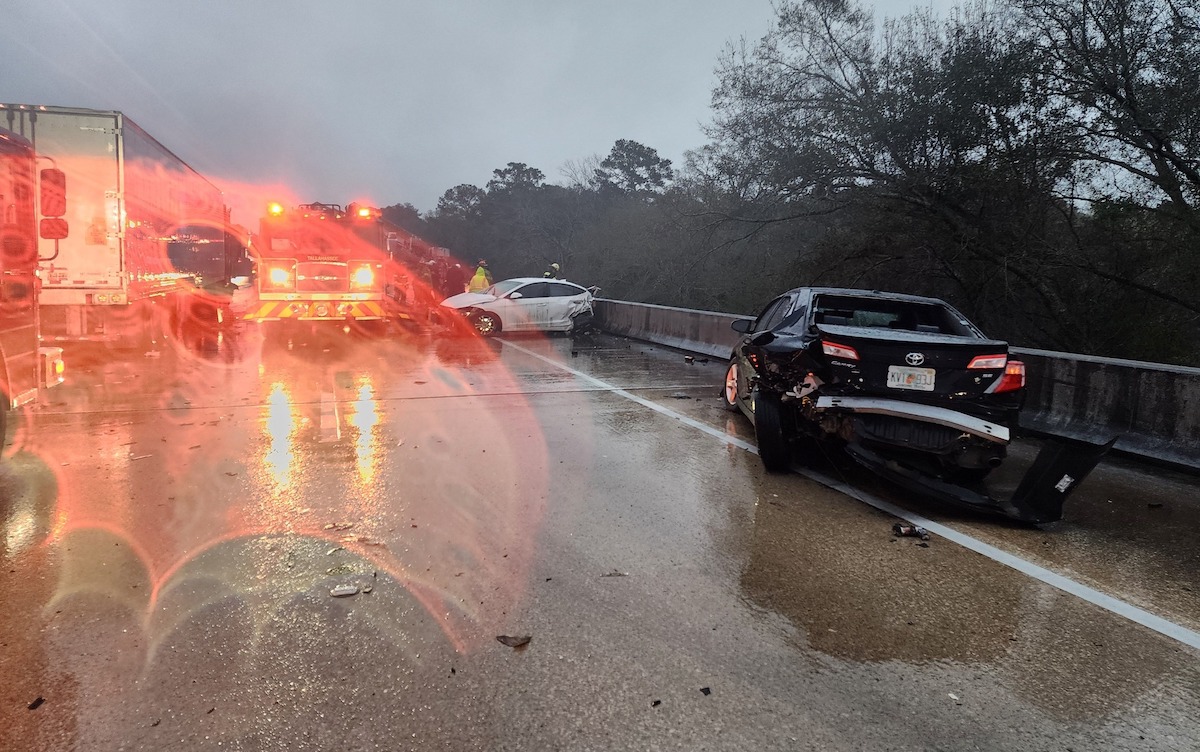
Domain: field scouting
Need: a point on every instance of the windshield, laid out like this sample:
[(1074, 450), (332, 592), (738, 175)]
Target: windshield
[(882, 313), (500, 289)]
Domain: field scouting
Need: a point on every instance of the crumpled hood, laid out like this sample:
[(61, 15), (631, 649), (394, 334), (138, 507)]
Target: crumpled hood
[(467, 299)]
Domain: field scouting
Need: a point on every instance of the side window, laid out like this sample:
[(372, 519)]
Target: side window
[(558, 289), (772, 315), (534, 290)]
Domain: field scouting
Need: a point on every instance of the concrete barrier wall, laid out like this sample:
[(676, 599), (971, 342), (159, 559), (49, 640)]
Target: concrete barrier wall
[(701, 332), (1154, 408)]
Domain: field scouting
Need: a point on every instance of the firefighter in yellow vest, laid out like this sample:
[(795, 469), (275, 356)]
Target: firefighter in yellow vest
[(482, 279)]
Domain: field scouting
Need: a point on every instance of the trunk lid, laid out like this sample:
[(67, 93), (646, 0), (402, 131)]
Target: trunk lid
[(904, 364)]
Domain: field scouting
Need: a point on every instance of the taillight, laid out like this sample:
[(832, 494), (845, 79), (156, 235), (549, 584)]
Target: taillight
[(362, 277), (1013, 378), (835, 350), (988, 362)]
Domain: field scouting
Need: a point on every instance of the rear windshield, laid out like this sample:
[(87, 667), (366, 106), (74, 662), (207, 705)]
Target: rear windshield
[(878, 313)]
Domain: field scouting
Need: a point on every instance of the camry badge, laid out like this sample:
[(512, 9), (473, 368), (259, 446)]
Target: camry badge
[(914, 359)]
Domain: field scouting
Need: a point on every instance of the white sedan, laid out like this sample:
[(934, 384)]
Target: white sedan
[(526, 304)]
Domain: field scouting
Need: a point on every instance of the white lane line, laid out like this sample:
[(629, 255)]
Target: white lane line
[(1049, 577), (331, 425)]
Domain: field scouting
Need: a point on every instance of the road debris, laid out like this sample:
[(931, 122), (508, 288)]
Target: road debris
[(367, 589), (334, 550), (615, 573), (1155, 504), (339, 526), (705, 691), (689, 359), (141, 457), (364, 540), (910, 531), (656, 703), (514, 642), (680, 396), (344, 591), (36, 703)]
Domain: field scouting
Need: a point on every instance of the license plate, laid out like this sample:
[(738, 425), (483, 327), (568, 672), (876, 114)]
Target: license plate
[(904, 377)]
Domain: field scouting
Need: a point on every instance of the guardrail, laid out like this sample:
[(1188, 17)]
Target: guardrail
[(1154, 408)]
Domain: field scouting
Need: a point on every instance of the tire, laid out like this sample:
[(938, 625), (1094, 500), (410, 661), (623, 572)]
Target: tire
[(488, 324), (730, 388), (774, 449)]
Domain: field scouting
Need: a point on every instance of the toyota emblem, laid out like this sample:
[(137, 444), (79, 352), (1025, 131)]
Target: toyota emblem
[(914, 359)]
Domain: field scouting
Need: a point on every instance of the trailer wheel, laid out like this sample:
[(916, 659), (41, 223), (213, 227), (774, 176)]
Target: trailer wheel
[(769, 429)]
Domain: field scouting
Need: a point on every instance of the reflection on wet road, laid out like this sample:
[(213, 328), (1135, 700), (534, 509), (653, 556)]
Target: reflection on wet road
[(175, 523)]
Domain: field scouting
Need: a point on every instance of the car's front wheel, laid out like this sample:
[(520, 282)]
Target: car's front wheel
[(774, 449), (488, 324), (729, 391)]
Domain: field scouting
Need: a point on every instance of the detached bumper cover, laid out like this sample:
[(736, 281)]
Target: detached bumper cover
[(1058, 469), (916, 411)]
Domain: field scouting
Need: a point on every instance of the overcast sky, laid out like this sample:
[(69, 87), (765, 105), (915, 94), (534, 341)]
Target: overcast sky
[(388, 101)]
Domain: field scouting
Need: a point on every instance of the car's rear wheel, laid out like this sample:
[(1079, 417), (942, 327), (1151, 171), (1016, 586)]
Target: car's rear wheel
[(488, 324), (770, 431), (729, 391)]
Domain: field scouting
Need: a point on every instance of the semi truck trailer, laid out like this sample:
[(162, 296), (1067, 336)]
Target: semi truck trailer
[(148, 231)]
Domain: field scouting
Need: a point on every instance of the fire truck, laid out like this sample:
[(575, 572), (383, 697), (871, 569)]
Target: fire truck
[(312, 268), (325, 265), (26, 368)]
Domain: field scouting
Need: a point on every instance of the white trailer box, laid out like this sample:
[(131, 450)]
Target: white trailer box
[(145, 228)]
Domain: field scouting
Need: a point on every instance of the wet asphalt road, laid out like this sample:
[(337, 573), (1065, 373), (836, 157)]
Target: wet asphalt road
[(173, 526)]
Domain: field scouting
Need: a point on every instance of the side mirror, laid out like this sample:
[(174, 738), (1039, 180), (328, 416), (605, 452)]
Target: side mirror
[(742, 326), (515, 296)]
